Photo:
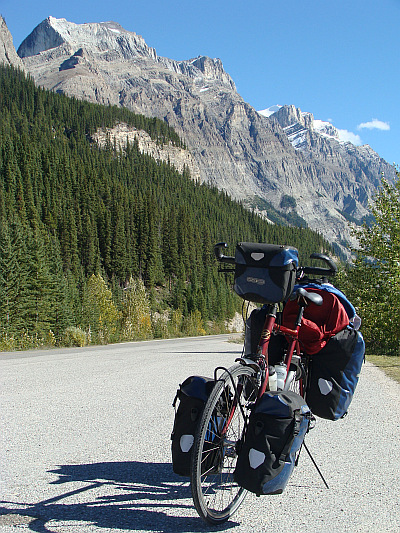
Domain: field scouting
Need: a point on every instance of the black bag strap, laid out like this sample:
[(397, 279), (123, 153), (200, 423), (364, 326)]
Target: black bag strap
[(177, 395), (296, 429)]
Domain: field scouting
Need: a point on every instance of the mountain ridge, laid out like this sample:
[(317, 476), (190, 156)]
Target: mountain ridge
[(248, 155)]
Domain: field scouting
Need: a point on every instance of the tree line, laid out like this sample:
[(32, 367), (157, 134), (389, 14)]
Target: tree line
[(97, 241)]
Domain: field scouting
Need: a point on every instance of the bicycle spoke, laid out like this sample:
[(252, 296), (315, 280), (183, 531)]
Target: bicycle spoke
[(215, 493)]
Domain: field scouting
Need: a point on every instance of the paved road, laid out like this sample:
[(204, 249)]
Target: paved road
[(84, 447)]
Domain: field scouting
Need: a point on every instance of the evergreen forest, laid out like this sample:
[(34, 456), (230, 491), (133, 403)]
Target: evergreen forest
[(106, 244)]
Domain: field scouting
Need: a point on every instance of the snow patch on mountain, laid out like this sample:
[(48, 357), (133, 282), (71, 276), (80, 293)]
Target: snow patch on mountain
[(270, 110), (341, 135), (326, 128)]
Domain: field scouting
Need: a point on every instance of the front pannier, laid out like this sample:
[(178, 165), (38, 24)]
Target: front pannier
[(274, 436), (265, 273), (193, 394)]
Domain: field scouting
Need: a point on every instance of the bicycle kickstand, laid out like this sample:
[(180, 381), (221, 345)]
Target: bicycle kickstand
[(315, 464)]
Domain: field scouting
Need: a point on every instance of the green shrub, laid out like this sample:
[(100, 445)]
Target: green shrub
[(7, 342), (288, 202), (193, 324), (74, 337)]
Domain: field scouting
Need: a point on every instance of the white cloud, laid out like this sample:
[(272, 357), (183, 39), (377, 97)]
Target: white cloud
[(374, 124), (349, 136)]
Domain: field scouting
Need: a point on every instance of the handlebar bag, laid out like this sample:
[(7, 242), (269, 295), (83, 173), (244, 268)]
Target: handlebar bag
[(193, 394), (275, 433), (334, 373), (264, 273)]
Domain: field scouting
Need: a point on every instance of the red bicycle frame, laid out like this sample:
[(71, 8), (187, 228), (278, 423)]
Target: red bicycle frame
[(292, 336), (271, 327)]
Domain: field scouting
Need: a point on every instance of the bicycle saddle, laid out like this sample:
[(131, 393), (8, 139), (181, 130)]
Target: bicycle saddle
[(309, 297)]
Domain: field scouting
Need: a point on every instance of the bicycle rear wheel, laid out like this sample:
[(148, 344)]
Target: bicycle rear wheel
[(215, 494)]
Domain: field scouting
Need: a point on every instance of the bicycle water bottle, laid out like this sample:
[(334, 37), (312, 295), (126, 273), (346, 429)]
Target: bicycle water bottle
[(272, 378), (280, 375), (290, 377)]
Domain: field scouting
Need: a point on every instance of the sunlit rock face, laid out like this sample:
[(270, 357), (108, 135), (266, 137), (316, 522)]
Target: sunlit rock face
[(287, 159)]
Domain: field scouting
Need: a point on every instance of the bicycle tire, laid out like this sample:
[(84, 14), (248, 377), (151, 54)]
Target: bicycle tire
[(215, 494)]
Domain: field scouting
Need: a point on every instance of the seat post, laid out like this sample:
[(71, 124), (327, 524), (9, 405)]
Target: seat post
[(302, 306)]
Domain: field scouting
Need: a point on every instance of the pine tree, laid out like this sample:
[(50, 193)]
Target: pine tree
[(13, 276), (40, 287), (373, 284)]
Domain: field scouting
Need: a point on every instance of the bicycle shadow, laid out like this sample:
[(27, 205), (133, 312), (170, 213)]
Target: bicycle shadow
[(116, 495)]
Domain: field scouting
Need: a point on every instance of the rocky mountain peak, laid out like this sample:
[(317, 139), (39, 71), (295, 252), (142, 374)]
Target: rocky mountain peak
[(43, 37), (109, 41), (288, 115), (202, 71), (212, 69), (97, 38)]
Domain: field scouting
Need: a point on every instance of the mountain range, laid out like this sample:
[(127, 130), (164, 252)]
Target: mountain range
[(280, 162)]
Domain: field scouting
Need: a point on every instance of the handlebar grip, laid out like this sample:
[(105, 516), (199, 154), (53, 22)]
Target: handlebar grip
[(331, 264), (319, 271), (220, 256)]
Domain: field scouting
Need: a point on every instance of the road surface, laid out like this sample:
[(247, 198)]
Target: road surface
[(85, 447)]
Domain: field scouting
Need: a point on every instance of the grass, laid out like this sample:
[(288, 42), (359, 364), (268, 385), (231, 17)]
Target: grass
[(390, 365)]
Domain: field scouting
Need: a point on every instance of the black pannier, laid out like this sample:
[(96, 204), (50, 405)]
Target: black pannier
[(273, 438), (334, 373), (265, 273), (193, 394)]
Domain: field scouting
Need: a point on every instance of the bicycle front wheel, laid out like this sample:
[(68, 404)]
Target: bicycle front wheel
[(215, 494)]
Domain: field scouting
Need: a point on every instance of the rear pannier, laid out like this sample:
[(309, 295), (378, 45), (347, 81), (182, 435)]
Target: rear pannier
[(334, 373), (327, 334), (319, 322), (265, 273)]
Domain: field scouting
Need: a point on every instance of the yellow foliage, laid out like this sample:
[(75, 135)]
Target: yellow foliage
[(136, 317), (104, 317)]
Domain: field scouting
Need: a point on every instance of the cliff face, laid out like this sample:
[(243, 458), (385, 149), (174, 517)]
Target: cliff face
[(252, 157), (122, 133), (8, 55), (356, 170)]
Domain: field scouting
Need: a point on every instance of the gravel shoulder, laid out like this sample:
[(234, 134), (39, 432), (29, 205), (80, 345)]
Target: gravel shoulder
[(85, 447)]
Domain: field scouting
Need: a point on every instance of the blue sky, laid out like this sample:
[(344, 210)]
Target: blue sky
[(338, 60)]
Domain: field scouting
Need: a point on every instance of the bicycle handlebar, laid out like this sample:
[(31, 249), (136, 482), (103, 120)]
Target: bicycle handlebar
[(220, 256), (320, 271), (314, 271)]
